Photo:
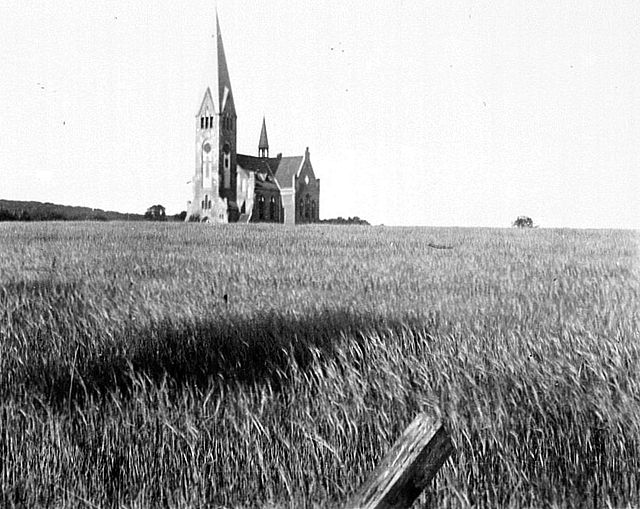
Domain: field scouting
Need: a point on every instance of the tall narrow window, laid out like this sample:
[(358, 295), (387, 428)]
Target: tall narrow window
[(307, 207), (226, 163), (301, 208), (260, 206), (210, 121), (201, 122), (272, 209), (314, 216)]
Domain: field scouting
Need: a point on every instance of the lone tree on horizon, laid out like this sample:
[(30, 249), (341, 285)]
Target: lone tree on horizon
[(155, 213), (523, 222)]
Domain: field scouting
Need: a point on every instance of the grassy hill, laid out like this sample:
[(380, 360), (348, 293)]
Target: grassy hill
[(165, 365), (11, 210)]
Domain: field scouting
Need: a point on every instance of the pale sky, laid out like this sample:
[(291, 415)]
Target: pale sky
[(415, 112)]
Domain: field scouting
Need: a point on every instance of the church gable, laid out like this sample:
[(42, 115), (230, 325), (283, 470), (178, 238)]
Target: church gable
[(306, 173), (307, 192), (227, 105), (207, 106)]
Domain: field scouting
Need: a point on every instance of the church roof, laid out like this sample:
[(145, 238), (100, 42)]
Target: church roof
[(283, 168), (287, 169), (264, 142), (257, 164), (262, 167)]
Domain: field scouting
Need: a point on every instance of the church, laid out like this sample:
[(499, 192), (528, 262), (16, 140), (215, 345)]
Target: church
[(229, 187)]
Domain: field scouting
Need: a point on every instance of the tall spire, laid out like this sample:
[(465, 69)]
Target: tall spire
[(263, 144), (222, 82)]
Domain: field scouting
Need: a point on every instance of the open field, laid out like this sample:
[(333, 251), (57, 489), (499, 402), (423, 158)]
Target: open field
[(182, 365)]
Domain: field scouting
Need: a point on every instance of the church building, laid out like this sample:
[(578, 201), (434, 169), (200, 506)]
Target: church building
[(229, 187)]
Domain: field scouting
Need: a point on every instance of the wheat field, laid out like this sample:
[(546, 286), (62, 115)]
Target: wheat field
[(184, 365)]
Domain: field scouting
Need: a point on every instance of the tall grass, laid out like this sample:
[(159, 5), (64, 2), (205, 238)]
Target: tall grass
[(257, 366)]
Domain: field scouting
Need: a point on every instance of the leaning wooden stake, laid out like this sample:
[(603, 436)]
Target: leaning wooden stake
[(407, 468)]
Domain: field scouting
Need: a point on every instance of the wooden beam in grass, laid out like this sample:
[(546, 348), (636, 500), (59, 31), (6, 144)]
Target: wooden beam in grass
[(407, 468)]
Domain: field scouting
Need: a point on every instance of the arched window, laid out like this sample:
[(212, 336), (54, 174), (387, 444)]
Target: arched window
[(301, 208), (201, 122), (272, 209), (260, 206), (314, 216), (307, 207)]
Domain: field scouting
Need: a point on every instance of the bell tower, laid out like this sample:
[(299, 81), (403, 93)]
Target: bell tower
[(214, 182)]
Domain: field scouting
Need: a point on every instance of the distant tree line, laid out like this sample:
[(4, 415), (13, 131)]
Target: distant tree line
[(342, 220), (36, 211), (46, 214), (9, 215), (11, 210)]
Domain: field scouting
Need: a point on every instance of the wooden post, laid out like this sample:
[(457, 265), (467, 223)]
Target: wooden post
[(407, 468)]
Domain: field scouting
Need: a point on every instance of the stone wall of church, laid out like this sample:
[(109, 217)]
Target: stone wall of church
[(288, 206), (267, 207), (245, 189)]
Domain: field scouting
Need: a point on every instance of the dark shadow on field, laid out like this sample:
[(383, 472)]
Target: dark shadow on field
[(265, 348)]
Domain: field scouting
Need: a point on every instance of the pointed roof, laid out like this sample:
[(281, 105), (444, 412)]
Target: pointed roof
[(264, 142), (221, 81), (288, 168), (206, 100)]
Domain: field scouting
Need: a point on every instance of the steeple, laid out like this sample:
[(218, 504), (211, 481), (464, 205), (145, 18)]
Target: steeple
[(214, 182), (263, 144), (221, 81)]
